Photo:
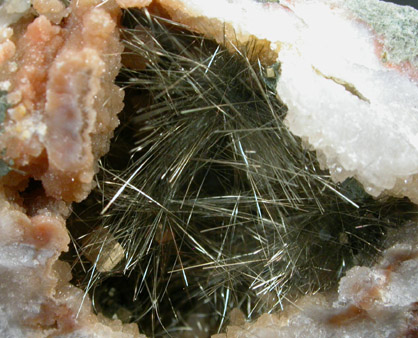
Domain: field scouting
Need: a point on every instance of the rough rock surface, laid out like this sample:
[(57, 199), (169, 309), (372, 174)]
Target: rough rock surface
[(61, 99), (58, 107), (36, 298)]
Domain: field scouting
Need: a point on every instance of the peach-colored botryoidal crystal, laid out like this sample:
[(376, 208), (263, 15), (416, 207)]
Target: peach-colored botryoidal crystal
[(54, 10), (7, 50), (63, 100), (133, 3), (58, 109), (24, 127)]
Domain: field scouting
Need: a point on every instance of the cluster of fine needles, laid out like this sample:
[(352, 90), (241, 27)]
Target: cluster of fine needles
[(218, 206)]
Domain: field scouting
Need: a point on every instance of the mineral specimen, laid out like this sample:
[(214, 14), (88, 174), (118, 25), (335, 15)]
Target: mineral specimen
[(58, 110), (348, 76)]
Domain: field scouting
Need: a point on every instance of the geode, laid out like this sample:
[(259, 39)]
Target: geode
[(348, 76)]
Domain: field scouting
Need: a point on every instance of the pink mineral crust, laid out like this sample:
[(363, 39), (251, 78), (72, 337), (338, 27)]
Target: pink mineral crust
[(7, 50), (63, 99), (133, 3), (60, 104), (54, 10), (36, 299), (81, 102), (24, 128)]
